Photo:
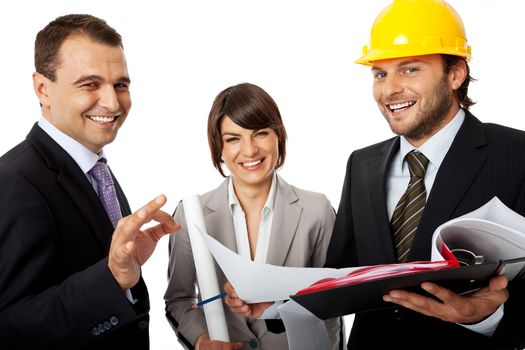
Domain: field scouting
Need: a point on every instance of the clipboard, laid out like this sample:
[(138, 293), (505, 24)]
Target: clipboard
[(368, 296)]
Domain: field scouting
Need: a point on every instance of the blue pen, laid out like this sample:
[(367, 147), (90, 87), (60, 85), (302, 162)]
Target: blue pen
[(209, 300)]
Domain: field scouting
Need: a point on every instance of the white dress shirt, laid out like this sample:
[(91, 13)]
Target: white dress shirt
[(398, 176), (263, 239), (239, 224)]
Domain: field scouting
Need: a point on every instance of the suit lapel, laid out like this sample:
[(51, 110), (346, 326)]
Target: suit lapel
[(378, 168), (75, 184), (286, 215), (217, 214), (455, 175)]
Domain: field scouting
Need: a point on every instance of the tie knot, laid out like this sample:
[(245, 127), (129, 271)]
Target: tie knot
[(417, 164), (101, 173)]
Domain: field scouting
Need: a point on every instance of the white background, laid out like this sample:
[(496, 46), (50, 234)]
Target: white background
[(182, 53)]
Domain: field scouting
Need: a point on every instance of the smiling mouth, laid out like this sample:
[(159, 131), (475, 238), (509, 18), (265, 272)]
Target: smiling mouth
[(252, 164), (102, 119), (398, 107)]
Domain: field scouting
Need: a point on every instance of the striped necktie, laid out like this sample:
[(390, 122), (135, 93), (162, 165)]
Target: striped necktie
[(409, 209), (106, 190)]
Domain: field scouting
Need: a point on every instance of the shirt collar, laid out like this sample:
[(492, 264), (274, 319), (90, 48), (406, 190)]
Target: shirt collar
[(437, 146), (84, 157), (270, 201)]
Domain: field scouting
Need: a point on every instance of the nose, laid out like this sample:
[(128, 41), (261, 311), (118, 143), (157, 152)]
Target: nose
[(108, 99), (392, 86), (250, 148)]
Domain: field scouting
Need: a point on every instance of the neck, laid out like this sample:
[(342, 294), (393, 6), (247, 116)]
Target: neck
[(252, 197)]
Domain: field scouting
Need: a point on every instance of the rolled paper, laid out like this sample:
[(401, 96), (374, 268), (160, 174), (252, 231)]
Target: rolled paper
[(205, 269)]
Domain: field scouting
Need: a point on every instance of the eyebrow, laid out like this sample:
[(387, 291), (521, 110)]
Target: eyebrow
[(98, 78), (400, 64), (230, 134)]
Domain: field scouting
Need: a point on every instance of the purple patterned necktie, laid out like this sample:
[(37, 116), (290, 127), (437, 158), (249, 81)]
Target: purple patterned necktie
[(106, 190)]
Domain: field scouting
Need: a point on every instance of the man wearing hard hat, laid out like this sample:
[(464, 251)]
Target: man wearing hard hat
[(443, 163)]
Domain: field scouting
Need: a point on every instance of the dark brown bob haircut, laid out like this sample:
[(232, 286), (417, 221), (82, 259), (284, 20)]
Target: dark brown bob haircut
[(50, 39), (250, 107)]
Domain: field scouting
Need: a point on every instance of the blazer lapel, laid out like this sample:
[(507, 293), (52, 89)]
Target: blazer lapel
[(286, 215), (454, 177), (378, 168), (75, 184), (217, 214)]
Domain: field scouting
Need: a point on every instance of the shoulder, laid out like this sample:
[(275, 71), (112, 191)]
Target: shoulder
[(18, 157), (376, 148), (314, 202), (217, 195), (504, 133)]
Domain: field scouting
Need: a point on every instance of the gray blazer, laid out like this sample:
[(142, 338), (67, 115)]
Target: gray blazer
[(301, 230)]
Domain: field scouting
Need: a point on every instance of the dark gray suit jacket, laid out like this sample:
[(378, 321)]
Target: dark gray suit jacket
[(56, 291), (485, 160)]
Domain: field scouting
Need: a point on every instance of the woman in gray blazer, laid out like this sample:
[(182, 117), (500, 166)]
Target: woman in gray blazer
[(255, 213)]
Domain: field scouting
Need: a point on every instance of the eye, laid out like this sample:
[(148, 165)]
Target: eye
[(410, 70), (379, 75), (231, 139), (260, 133), (122, 86), (90, 85)]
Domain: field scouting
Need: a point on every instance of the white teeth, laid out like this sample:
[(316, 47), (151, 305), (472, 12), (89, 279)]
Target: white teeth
[(101, 119), (248, 164), (397, 106)]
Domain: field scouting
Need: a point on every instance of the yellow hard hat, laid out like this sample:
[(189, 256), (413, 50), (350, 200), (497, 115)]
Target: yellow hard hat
[(414, 28)]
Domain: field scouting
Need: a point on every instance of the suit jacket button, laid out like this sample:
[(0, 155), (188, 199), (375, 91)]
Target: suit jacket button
[(101, 328), (95, 331), (143, 324), (114, 320), (107, 325), (253, 343)]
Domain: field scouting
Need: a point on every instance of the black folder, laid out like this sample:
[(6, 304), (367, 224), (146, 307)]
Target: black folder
[(367, 296)]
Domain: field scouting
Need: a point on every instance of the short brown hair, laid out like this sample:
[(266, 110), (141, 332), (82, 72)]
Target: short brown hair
[(50, 39), (250, 107), (462, 93)]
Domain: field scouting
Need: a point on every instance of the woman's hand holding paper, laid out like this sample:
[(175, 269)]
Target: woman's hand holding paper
[(241, 308)]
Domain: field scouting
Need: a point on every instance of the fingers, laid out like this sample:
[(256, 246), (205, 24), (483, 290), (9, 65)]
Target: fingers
[(122, 257), (498, 283), (166, 225), (218, 345), (129, 226), (236, 305)]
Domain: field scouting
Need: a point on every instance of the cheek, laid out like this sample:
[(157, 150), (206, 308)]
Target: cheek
[(124, 100), (228, 154), (376, 92)]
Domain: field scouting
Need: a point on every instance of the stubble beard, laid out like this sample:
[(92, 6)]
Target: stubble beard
[(430, 116)]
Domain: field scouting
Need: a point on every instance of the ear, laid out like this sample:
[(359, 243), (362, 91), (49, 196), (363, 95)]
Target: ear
[(41, 85), (458, 74)]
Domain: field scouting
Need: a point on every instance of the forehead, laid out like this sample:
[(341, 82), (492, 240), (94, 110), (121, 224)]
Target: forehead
[(228, 125), (80, 56)]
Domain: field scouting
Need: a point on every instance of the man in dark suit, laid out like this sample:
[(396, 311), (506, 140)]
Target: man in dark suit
[(69, 263), (444, 163)]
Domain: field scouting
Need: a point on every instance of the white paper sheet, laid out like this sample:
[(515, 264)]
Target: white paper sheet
[(205, 269), (493, 230), (304, 330), (256, 282)]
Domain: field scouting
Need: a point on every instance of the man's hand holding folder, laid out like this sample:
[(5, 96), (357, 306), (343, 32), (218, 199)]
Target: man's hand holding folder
[(452, 307)]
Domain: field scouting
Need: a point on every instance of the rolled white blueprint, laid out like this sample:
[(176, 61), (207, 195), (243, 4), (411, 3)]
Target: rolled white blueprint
[(205, 269)]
